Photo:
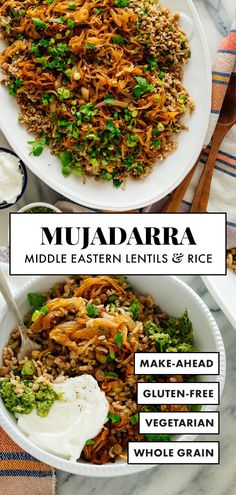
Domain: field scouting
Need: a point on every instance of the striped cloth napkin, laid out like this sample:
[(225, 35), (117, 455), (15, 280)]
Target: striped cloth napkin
[(19, 471), (22, 473), (222, 197)]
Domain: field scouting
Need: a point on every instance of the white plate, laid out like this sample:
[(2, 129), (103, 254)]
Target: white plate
[(223, 289), (165, 176), (174, 296)]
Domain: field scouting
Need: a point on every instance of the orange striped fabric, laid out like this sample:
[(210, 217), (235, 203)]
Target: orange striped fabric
[(224, 179), (19, 469)]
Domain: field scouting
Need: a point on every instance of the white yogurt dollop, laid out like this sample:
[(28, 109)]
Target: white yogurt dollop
[(10, 177), (72, 420)]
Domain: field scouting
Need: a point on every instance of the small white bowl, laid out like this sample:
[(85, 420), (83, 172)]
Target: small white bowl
[(173, 296), (38, 204), (23, 170)]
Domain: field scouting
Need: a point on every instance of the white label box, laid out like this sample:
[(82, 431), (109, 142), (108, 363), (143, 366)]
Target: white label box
[(201, 393), (88, 243), (184, 363), (173, 453), (178, 423)]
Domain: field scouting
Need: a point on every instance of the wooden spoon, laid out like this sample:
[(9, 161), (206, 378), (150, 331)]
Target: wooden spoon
[(227, 119), (175, 198), (27, 345), (173, 202)]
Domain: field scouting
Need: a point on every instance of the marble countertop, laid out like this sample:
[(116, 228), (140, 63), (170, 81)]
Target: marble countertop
[(180, 480), (216, 17)]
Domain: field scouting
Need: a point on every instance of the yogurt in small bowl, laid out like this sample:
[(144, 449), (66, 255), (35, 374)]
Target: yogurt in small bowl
[(13, 178)]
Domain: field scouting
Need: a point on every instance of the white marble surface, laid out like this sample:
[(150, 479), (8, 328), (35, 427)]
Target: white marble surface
[(180, 480)]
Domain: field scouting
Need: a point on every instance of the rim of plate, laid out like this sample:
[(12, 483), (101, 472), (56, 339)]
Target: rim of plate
[(134, 204), (117, 469)]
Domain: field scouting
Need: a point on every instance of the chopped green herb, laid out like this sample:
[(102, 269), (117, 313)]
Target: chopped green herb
[(28, 368), (181, 99), (152, 62), (134, 308), (160, 127), (195, 407), (57, 20), (92, 310), (14, 86), (122, 3), (119, 40), (112, 298), (66, 161), (105, 175), (117, 183), (44, 310), (142, 87), (90, 46), (36, 301), (153, 437), (48, 98), (111, 373), (42, 400), (133, 419), (156, 143), (175, 334), (161, 74), (118, 339), (132, 140), (115, 131), (42, 61), (36, 314), (108, 99), (64, 93), (90, 442), (88, 111), (115, 418), (39, 24), (37, 146), (70, 23)]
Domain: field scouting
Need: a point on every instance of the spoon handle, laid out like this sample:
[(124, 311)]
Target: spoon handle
[(6, 293), (202, 192)]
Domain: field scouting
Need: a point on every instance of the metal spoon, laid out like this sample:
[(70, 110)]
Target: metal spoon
[(27, 345)]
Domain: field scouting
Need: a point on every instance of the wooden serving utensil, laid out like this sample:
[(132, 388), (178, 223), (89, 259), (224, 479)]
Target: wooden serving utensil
[(175, 198), (227, 119)]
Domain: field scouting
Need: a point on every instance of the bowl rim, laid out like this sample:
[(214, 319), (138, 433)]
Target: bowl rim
[(24, 177), (39, 203), (116, 469)]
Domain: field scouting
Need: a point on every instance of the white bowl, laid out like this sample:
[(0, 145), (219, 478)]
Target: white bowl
[(174, 296), (166, 175), (38, 204)]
